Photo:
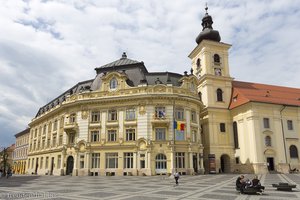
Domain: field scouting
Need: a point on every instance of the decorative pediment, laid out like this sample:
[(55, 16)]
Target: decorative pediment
[(269, 151), (267, 132)]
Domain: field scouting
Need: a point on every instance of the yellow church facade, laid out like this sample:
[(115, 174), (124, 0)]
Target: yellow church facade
[(128, 121)]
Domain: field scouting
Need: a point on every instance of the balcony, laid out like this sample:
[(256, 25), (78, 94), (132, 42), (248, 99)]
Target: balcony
[(160, 121), (70, 126)]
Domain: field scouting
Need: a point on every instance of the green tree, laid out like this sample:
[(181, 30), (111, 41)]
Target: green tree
[(3, 160)]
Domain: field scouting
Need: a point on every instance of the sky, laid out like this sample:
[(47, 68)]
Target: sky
[(48, 46)]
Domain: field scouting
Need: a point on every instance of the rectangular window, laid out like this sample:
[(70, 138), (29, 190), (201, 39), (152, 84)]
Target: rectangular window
[(266, 123), (81, 162), (32, 163), (111, 160), (55, 125), (193, 117), (44, 129), (130, 134), (128, 160), (95, 116), (58, 161), (160, 134), (180, 160), (237, 160), (130, 114), (43, 143), (71, 138), (222, 127), (54, 141), (179, 114), (61, 123), (112, 115), (290, 125), (72, 118), (194, 136), (95, 136), (160, 112), (111, 135), (95, 160), (60, 139), (48, 143), (42, 162), (28, 165)]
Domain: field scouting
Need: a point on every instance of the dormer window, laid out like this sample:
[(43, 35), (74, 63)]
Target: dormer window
[(216, 58), (113, 83)]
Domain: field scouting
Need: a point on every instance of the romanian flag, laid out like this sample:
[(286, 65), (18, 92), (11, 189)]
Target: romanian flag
[(179, 126)]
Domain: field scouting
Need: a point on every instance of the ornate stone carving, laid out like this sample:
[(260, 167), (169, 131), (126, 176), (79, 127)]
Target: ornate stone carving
[(84, 114)]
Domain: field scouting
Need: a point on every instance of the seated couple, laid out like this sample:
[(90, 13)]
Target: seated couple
[(242, 184)]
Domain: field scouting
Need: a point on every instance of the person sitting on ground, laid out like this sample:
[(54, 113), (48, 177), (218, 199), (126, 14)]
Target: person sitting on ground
[(240, 182), (247, 183), (256, 183)]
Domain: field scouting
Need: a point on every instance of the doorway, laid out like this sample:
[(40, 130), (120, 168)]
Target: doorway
[(225, 164), (70, 165), (270, 163)]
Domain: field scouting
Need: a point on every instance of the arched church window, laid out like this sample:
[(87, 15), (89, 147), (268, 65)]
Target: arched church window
[(268, 141), (219, 95), (293, 151), (216, 58)]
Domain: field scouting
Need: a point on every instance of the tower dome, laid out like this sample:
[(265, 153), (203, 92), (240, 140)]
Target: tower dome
[(208, 33)]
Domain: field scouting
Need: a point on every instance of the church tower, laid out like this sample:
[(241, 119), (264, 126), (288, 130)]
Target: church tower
[(210, 65)]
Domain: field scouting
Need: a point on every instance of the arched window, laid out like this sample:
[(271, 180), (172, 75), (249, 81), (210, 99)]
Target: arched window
[(293, 151), (161, 161), (235, 135), (198, 63), (219, 95), (200, 96), (268, 141), (216, 58), (113, 83)]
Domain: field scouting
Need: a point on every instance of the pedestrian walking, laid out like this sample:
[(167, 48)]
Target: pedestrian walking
[(176, 177)]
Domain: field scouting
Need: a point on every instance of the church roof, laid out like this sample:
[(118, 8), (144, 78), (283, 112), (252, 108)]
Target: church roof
[(244, 92)]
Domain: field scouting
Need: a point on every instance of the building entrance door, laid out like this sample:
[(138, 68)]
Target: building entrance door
[(70, 165), (270, 163)]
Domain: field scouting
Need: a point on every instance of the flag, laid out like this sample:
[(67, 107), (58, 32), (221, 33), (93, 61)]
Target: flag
[(178, 126)]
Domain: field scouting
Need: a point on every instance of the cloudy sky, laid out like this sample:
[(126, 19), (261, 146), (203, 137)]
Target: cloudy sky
[(47, 46)]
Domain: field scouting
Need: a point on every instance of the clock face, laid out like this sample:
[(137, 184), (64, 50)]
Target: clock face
[(218, 72)]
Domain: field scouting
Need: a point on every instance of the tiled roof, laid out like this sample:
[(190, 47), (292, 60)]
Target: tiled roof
[(244, 92)]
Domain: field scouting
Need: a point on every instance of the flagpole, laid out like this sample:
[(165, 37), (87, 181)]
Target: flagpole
[(174, 135)]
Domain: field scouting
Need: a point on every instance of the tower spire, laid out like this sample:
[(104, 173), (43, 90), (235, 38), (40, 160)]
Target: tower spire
[(207, 31)]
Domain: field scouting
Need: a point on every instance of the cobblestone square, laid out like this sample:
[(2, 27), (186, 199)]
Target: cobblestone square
[(211, 187)]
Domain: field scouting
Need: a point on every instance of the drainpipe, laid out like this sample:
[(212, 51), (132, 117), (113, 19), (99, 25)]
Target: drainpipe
[(282, 128)]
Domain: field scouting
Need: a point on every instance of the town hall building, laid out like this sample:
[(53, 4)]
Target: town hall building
[(129, 121)]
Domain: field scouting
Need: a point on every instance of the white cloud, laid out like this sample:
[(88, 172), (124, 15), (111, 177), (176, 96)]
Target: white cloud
[(48, 46)]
